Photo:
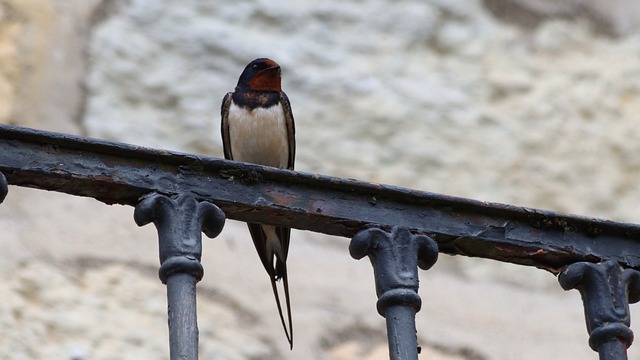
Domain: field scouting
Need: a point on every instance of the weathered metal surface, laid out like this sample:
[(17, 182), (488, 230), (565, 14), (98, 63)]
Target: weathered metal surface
[(395, 257), (180, 222), (117, 173), (606, 289)]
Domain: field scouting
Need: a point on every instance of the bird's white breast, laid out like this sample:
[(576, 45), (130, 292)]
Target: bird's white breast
[(259, 136)]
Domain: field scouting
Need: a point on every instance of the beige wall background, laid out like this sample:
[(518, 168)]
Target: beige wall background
[(527, 102)]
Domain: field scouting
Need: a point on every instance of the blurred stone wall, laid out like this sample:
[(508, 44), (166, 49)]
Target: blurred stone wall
[(527, 102)]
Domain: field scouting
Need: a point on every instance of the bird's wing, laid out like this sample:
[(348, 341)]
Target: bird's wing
[(278, 269), (224, 125), (291, 128)]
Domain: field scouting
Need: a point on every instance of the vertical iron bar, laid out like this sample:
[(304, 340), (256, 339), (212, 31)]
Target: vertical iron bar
[(180, 221), (183, 322), (401, 332), (4, 188), (395, 258), (606, 290), (612, 349)]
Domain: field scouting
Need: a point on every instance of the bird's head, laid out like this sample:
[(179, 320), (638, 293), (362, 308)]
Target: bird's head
[(261, 75)]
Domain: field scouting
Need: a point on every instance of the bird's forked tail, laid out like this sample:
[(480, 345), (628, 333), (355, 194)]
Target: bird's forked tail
[(285, 282)]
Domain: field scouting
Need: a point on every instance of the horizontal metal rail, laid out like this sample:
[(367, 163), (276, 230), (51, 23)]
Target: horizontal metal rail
[(117, 173)]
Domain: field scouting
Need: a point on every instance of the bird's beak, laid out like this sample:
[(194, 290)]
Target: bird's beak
[(275, 67)]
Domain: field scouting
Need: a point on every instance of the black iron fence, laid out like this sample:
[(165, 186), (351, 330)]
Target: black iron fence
[(398, 229)]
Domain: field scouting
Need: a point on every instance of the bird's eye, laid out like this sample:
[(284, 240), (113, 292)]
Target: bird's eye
[(254, 67)]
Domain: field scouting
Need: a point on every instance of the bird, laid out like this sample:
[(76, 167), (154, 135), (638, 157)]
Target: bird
[(257, 127)]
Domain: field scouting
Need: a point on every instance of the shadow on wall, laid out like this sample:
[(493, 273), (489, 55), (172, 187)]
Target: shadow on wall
[(613, 18)]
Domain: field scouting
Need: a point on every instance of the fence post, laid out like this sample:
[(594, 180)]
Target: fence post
[(606, 289), (395, 258), (180, 221)]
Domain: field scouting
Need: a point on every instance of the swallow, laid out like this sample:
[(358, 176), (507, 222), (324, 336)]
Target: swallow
[(258, 127)]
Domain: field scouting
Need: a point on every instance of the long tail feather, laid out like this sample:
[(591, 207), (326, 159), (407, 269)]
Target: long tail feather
[(275, 264), (285, 283)]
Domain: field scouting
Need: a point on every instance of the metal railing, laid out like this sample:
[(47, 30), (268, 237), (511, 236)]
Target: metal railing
[(398, 229)]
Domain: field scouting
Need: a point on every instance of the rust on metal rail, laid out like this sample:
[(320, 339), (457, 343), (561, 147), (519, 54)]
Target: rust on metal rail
[(117, 173)]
